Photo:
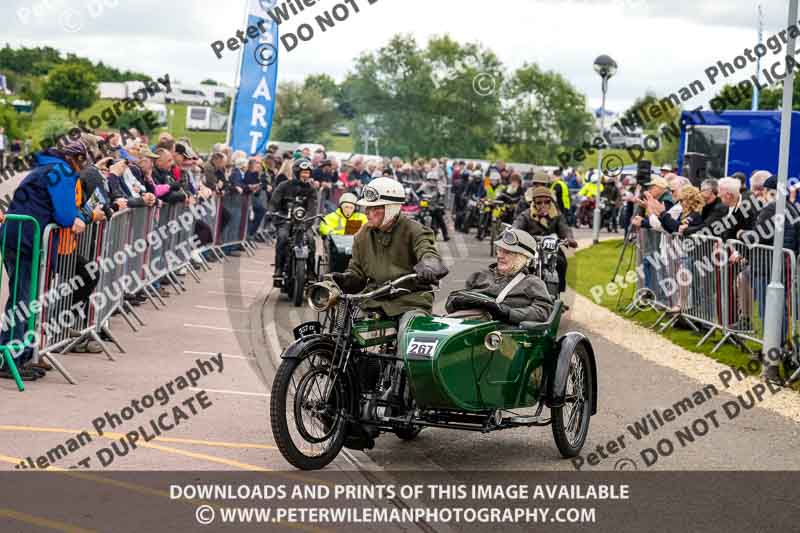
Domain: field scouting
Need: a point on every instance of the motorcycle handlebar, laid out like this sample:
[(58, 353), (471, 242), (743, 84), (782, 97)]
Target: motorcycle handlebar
[(385, 289)]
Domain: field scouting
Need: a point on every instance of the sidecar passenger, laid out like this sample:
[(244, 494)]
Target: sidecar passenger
[(507, 290)]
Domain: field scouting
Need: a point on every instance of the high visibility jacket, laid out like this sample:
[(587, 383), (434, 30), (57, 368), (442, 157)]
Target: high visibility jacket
[(564, 192), (335, 223), (590, 190)]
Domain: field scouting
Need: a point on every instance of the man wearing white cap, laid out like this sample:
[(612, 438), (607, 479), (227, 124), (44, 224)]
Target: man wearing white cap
[(391, 246)]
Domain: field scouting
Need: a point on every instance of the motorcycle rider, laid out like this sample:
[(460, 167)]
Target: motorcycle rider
[(493, 187), (292, 193), (611, 194), (512, 196), (473, 191), (431, 191), (588, 193), (543, 219), (526, 297), (388, 247)]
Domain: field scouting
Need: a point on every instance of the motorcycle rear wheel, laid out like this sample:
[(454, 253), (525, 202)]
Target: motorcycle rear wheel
[(296, 383)]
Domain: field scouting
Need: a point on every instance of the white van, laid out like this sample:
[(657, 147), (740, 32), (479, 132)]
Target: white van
[(159, 110), (188, 95)]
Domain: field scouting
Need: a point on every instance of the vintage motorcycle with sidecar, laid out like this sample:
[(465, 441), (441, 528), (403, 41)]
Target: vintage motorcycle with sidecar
[(350, 377)]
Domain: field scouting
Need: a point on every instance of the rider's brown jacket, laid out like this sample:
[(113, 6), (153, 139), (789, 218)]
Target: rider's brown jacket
[(381, 256)]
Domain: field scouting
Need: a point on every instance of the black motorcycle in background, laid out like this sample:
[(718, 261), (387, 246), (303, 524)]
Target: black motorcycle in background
[(298, 268)]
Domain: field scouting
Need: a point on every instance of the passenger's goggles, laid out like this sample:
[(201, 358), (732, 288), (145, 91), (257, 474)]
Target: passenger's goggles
[(512, 239)]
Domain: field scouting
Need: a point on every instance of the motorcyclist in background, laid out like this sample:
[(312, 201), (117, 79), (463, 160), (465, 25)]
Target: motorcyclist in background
[(613, 199), (431, 190), (512, 196), (543, 219), (292, 193)]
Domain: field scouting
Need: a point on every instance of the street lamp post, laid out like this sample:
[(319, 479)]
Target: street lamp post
[(606, 68), (774, 316)]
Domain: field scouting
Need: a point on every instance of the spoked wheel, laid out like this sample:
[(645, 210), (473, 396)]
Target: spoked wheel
[(307, 412), (571, 420)]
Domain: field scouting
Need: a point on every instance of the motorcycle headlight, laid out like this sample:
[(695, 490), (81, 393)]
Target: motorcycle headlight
[(299, 213), (323, 296), (493, 341), (423, 203)]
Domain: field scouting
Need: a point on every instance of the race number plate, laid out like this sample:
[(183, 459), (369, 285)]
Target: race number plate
[(421, 347), (309, 328)]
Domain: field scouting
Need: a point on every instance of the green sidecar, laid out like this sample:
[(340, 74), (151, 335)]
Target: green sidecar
[(350, 377)]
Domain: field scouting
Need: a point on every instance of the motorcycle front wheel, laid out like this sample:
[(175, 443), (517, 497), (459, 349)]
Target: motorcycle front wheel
[(308, 425), (298, 290)]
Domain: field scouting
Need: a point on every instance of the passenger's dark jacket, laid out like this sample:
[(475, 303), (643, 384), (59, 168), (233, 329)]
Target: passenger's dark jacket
[(742, 217), (47, 194), (528, 301), (670, 225)]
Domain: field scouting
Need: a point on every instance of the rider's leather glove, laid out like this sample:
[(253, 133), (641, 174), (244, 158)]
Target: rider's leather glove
[(430, 269), (348, 282)]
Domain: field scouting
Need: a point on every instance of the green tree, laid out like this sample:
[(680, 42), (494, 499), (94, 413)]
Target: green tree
[(733, 97), (135, 118), (423, 102), (71, 86), (542, 112), (323, 83), (662, 127), (302, 114)]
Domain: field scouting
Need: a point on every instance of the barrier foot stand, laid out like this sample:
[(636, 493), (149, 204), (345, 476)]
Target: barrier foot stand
[(102, 344), (794, 377), (193, 272), (220, 254), (53, 360), (669, 323), (708, 335), (658, 320), (249, 248), (123, 313), (177, 283), (149, 294), (204, 264), (12, 366), (731, 336), (114, 340), (127, 306)]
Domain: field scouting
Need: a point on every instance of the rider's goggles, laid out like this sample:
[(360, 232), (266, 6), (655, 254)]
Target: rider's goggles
[(542, 201), (305, 165), (512, 239), (371, 194)]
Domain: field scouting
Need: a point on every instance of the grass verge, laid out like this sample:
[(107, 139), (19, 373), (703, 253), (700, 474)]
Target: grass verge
[(596, 265)]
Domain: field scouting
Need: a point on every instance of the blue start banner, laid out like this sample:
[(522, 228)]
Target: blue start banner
[(254, 105)]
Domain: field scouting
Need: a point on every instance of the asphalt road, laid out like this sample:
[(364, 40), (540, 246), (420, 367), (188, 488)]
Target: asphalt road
[(630, 388)]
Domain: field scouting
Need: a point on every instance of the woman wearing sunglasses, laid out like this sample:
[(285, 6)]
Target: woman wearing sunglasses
[(544, 219)]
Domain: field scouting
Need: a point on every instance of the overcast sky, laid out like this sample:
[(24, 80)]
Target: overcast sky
[(660, 45)]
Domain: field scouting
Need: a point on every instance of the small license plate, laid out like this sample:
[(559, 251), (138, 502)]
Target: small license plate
[(309, 328), (422, 347)]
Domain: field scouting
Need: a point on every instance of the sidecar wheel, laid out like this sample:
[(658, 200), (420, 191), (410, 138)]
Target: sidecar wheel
[(408, 434), (309, 432), (571, 421)]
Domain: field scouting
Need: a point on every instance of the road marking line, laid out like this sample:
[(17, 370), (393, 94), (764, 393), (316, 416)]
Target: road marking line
[(232, 309), (112, 435), (224, 355), (249, 282), (264, 394), (201, 326), (223, 293), (42, 522)]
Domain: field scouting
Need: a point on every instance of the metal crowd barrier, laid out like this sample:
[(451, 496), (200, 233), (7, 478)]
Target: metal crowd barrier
[(232, 221), (16, 299), (720, 286), (66, 291)]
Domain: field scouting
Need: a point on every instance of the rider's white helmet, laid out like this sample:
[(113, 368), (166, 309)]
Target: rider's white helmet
[(384, 192)]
